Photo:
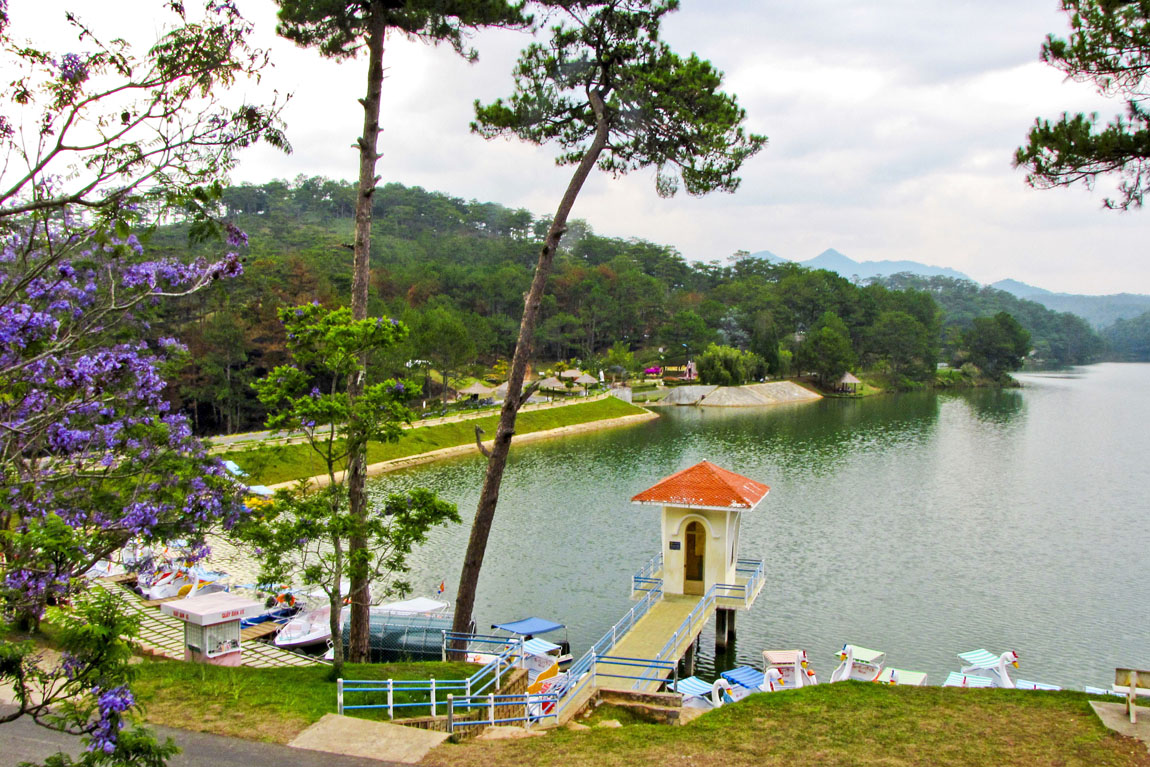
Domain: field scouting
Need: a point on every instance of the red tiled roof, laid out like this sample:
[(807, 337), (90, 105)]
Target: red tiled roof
[(705, 484)]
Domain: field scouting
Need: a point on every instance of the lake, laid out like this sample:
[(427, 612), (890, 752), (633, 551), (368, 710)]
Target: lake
[(921, 524)]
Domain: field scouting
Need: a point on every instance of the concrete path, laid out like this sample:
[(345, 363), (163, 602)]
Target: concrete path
[(346, 735), (1113, 715), (23, 741)]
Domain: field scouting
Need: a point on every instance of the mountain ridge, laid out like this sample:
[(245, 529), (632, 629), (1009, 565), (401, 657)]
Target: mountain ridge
[(1099, 311)]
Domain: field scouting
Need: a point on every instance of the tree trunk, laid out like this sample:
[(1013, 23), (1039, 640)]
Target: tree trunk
[(357, 459), (336, 601), (489, 498)]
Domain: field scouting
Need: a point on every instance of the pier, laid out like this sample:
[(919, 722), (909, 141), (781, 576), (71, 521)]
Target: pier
[(163, 635)]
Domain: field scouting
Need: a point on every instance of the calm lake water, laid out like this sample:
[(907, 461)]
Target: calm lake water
[(922, 525)]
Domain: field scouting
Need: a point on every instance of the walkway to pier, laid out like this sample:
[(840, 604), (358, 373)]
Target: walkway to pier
[(663, 633), (164, 635)]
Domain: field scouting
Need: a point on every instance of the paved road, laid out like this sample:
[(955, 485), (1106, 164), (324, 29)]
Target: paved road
[(23, 741)]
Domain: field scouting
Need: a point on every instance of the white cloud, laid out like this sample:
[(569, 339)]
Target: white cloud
[(892, 126)]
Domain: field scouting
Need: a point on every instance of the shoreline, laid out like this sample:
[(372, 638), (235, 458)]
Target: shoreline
[(395, 464)]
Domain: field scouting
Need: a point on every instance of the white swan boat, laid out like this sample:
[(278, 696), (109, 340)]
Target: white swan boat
[(858, 663), (865, 665), (782, 669), (994, 667)]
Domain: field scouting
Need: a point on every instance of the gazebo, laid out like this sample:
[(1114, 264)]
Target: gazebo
[(477, 389), (587, 380), (848, 383)]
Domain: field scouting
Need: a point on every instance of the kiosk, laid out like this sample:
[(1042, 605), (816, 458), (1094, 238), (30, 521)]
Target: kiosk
[(212, 626)]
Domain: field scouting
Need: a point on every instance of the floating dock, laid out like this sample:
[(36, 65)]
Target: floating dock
[(163, 635)]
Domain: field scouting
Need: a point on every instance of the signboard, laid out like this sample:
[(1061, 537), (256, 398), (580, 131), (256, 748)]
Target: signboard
[(676, 545)]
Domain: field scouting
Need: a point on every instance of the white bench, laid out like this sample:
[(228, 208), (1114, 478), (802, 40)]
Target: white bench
[(1131, 681)]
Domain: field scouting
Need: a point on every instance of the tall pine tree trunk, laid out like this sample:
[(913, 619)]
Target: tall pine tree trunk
[(357, 458), (497, 461)]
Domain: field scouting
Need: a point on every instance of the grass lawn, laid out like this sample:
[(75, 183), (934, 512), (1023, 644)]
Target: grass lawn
[(844, 724), (265, 704), (269, 465)]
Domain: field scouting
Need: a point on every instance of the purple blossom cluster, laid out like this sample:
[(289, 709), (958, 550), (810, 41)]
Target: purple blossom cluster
[(72, 68), (89, 438), (112, 704)]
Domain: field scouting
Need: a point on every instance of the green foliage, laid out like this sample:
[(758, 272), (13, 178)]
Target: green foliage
[(905, 343), (1109, 46), (72, 694), (1059, 338), (997, 344), (725, 366), (826, 350), (310, 533), (658, 108), (337, 27), (1130, 339)]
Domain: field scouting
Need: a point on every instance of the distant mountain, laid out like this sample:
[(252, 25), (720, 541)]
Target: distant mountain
[(833, 261), (767, 255), (1020, 289), (1099, 311)]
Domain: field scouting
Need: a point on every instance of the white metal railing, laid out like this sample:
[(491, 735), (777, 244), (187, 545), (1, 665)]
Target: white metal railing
[(421, 693), (644, 578)]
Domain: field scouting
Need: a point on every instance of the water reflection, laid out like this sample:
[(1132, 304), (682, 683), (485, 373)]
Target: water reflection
[(918, 524)]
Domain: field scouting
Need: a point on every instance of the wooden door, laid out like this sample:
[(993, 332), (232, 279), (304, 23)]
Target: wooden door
[(695, 560)]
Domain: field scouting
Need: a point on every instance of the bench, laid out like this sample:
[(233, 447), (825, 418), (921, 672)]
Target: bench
[(1130, 681)]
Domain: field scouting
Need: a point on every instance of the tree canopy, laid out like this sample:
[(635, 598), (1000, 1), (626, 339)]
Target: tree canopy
[(1109, 46)]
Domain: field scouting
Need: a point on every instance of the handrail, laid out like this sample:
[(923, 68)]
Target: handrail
[(646, 573), (536, 708), (490, 674), (581, 672)]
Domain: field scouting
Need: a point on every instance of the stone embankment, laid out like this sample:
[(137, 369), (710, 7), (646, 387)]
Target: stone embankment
[(751, 395)]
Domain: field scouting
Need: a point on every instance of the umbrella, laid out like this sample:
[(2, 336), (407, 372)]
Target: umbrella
[(586, 379), (572, 373), (552, 383)]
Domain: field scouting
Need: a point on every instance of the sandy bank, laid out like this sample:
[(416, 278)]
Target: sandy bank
[(395, 464)]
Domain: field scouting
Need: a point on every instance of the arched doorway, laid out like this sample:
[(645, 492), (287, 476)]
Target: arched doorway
[(694, 561)]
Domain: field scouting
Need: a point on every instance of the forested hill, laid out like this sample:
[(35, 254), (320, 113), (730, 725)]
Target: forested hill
[(456, 271), (1056, 337)]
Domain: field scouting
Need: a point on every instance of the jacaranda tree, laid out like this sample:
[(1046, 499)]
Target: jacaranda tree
[(612, 95), (94, 146)]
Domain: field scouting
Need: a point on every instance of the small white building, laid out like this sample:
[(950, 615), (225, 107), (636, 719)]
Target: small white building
[(702, 513), (212, 626)]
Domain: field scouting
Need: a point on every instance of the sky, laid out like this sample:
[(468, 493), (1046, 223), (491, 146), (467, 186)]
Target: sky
[(891, 123)]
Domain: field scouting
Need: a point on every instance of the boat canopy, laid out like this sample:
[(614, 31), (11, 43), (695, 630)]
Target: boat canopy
[(416, 606), (529, 626), (540, 646)]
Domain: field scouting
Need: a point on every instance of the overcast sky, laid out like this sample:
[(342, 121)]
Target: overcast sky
[(892, 124)]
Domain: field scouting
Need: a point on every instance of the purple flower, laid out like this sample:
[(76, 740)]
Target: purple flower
[(72, 68), (235, 236)]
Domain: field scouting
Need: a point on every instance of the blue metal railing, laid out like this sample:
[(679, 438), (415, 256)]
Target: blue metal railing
[(536, 708), (420, 693), (582, 672), (645, 576), (648, 665)]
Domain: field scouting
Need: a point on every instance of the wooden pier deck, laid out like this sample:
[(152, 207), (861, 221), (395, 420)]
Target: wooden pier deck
[(164, 635), (649, 636)]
